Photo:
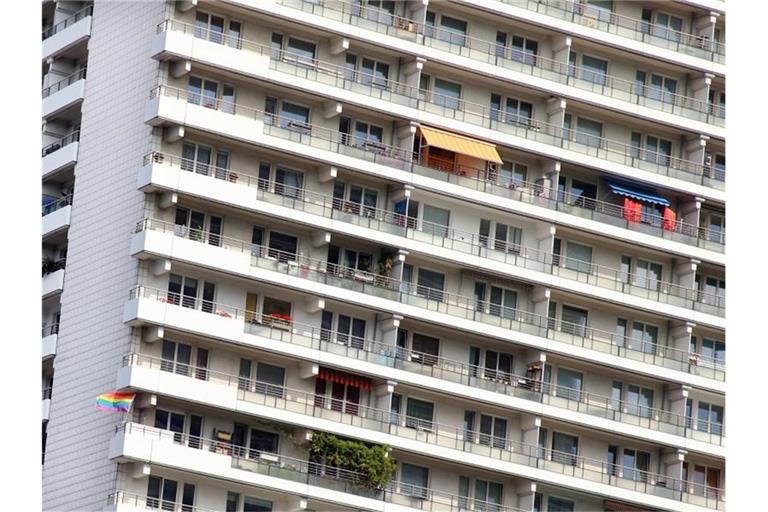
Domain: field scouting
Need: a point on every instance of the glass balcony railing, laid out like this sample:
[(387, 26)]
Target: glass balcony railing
[(424, 430), (478, 179), (574, 11), (313, 474), (64, 141), (68, 22), (64, 82), (481, 115), (51, 329), (451, 238), (56, 204)]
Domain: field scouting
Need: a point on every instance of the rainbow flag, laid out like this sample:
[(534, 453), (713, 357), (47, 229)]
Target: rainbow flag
[(115, 401)]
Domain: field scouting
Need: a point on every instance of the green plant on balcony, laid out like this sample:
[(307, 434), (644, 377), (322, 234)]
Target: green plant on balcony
[(370, 462), (384, 267)]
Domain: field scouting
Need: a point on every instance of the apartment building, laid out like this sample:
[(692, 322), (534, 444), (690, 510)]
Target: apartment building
[(488, 235)]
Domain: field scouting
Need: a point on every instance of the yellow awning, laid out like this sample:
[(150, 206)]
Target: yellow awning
[(459, 144)]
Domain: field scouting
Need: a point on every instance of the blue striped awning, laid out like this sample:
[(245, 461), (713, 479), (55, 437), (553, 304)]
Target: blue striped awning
[(635, 192)]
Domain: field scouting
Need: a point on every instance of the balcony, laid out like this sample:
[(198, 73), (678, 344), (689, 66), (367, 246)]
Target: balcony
[(64, 94), (430, 439), (46, 403), (398, 230), (282, 474), (67, 33), (567, 17), (168, 105), (376, 291), (489, 58), (56, 216), (50, 338), (53, 283), (60, 154), (476, 120)]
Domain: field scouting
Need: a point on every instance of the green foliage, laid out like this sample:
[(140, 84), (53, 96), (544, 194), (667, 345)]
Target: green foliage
[(371, 463)]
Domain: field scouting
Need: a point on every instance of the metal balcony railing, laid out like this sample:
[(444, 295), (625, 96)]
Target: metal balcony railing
[(64, 82), (481, 115), (314, 474), (50, 329), (142, 501), (64, 141), (569, 10), (47, 393), (50, 265), (451, 238), (491, 53), (57, 205), (478, 179), (67, 22), (550, 328), (427, 431), (477, 377)]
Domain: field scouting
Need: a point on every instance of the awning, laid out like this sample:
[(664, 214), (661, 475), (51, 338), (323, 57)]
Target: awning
[(344, 378), (635, 192), (459, 144), (623, 507)]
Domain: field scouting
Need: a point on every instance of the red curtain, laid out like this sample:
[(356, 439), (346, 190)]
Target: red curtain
[(632, 210), (344, 378), (668, 219)]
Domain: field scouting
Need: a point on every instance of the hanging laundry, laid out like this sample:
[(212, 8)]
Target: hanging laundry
[(669, 219), (632, 210)]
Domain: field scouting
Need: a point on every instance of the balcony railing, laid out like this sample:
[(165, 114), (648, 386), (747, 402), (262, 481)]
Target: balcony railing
[(57, 205), (71, 20), (64, 82), (140, 501), (451, 238), (315, 474), (50, 329), (486, 52), (64, 141), (427, 431), (47, 393), (569, 10), (393, 156), (434, 300), (479, 377), (477, 114), (50, 265)]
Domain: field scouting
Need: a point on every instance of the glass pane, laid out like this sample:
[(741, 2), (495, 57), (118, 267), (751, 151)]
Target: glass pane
[(569, 384)]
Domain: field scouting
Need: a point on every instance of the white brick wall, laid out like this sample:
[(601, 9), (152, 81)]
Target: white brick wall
[(77, 473)]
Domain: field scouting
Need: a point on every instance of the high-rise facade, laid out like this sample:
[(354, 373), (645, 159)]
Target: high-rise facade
[(487, 234)]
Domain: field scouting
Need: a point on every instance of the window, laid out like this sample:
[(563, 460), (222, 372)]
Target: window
[(636, 465), (518, 112), (349, 199), (356, 260), (192, 224), (512, 175), (369, 137), (564, 448), (612, 459), (493, 431), (578, 257), (283, 247), (451, 31), (574, 321), (559, 505), (276, 312), (419, 414), (597, 8), (381, 11), (414, 480), (425, 349), (210, 27), (171, 421), (374, 73), (644, 337), (616, 393), (176, 357), (506, 238), (648, 275), (592, 69), (710, 418), (588, 132), (639, 401), (715, 226), (524, 50), (161, 493), (498, 366), (256, 505), (662, 88), (197, 158), (714, 290), (232, 501), (431, 284), (289, 183), (394, 409), (711, 350), (488, 495), (447, 94), (436, 221), (294, 117), (569, 384), (270, 379), (182, 290), (206, 93), (343, 397), (261, 441), (503, 302), (668, 26), (349, 331)]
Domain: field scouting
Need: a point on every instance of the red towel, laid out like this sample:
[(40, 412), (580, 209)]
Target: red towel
[(668, 219)]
